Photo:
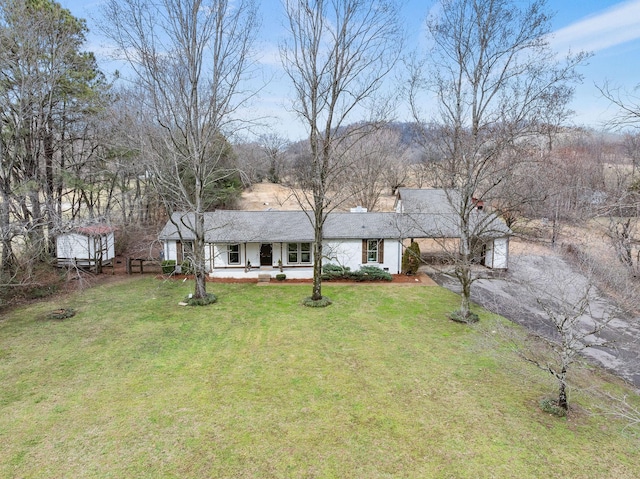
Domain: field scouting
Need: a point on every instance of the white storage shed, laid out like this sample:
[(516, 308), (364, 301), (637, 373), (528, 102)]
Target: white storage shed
[(87, 247)]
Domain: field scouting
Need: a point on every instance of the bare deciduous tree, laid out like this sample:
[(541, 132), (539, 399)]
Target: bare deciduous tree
[(496, 84), (251, 162), (375, 162), (632, 150), (189, 57), (565, 314), (575, 325), (264, 158), (628, 104), (273, 147), (337, 54)]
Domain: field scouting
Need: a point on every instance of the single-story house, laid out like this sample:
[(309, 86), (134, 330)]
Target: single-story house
[(87, 246), (244, 244)]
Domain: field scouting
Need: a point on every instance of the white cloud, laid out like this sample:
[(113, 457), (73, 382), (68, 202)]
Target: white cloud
[(611, 27), (269, 55)]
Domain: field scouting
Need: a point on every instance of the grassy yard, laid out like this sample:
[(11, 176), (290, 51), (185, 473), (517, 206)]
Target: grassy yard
[(380, 384)]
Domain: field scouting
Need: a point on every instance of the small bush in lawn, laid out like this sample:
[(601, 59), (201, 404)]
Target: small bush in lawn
[(458, 317), (281, 276), (550, 406), (210, 298), (320, 303), (168, 266), (411, 259), (62, 313)]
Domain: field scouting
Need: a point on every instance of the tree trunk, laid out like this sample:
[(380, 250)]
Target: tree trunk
[(562, 390), (48, 186), (555, 230), (465, 302), (8, 263), (198, 262), (463, 271), (201, 284), (316, 294)]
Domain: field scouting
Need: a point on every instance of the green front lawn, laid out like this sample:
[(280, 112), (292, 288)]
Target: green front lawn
[(380, 384)]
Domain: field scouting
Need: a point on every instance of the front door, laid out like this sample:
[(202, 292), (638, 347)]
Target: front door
[(266, 254)]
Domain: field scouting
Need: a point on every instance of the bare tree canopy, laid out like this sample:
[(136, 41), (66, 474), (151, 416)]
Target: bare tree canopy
[(376, 162), (499, 89), (190, 58), (573, 315), (626, 101), (337, 54)]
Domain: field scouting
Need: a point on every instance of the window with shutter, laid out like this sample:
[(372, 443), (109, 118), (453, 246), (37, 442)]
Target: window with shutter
[(372, 251)]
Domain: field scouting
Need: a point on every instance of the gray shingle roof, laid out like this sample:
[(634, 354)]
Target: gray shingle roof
[(226, 226), (245, 226), (432, 201)]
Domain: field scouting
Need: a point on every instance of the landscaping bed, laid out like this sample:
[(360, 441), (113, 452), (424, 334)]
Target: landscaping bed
[(396, 278)]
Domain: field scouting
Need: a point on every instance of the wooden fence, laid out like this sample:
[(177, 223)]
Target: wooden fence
[(142, 265)]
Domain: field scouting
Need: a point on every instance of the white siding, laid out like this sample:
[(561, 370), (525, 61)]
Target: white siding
[(349, 253), (497, 253), (220, 255), (280, 253), (170, 250), (82, 247), (112, 245), (73, 245), (501, 253), (253, 254), (248, 252), (346, 253), (221, 259)]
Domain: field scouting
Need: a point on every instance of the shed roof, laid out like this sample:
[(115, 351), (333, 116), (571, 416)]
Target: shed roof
[(94, 230)]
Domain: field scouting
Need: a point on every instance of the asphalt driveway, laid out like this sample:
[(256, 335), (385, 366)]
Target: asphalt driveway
[(535, 274)]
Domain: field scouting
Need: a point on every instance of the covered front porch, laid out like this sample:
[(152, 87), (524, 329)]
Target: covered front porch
[(292, 272), (253, 259)]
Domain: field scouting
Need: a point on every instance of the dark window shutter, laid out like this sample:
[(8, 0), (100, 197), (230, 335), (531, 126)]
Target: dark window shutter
[(364, 251), (381, 251)]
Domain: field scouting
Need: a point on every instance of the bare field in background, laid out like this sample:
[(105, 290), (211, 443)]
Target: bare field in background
[(263, 196)]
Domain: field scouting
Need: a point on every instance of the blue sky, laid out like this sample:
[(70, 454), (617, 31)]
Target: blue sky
[(608, 28)]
